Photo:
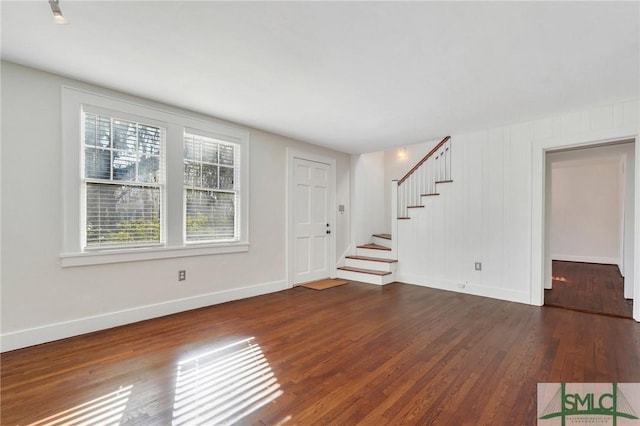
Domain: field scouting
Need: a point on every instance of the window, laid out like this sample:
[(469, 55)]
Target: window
[(211, 187), (141, 182), (123, 182)]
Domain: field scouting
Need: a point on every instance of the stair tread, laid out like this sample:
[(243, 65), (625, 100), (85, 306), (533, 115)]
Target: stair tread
[(364, 271), (383, 236), (374, 247), (372, 259)]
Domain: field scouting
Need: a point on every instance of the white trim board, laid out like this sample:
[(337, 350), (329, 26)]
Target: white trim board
[(48, 333)]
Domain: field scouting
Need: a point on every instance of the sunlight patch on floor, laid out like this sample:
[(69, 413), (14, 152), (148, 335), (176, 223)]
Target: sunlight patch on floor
[(105, 410), (223, 385)]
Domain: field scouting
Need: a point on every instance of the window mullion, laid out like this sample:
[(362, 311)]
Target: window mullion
[(111, 145), (174, 185), (138, 154)]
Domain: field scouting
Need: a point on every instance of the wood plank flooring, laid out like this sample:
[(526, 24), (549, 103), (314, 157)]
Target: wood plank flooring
[(588, 287), (354, 354)]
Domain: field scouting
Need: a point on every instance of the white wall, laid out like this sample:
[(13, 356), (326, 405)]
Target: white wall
[(481, 217), (491, 212), (587, 204), (41, 301), (368, 197)]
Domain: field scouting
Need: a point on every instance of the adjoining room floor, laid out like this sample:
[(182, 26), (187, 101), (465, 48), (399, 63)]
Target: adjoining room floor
[(588, 287), (354, 354)]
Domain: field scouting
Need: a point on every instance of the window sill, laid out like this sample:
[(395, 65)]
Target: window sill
[(139, 254)]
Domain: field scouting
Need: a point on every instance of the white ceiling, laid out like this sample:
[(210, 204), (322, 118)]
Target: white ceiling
[(353, 76)]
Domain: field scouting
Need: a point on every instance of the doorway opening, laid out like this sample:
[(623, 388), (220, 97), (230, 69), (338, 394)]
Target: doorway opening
[(590, 228)]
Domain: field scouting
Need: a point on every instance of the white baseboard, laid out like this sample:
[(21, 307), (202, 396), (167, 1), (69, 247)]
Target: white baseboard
[(586, 259), (469, 288), (62, 330)]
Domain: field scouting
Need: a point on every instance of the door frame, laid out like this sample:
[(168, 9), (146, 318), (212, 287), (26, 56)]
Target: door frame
[(540, 250), (292, 154)]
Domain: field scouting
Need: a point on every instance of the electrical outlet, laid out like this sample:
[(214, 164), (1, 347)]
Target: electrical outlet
[(182, 275), (478, 266)]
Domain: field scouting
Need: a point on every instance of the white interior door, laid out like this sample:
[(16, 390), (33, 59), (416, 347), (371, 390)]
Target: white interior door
[(312, 230)]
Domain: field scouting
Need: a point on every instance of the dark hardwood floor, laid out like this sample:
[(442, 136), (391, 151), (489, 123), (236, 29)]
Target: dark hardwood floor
[(588, 287), (354, 354)]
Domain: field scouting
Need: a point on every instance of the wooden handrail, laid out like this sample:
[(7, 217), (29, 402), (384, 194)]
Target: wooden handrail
[(426, 157)]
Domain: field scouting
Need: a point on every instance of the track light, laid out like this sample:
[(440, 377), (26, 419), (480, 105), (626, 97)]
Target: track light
[(58, 17)]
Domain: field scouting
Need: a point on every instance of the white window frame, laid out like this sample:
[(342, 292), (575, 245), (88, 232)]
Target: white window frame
[(175, 122), (85, 108), (238, 176)]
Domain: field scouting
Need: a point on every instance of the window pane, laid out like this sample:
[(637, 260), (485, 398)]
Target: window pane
[(124, 166), (148, 140), (209, 176), (226, 177), (97, 163), (103, 132), (90, 129), (209, 152), (210, 215), (226, 155), (191, 148), (124, 135), (149, 169), (122, 215), (192, 176)]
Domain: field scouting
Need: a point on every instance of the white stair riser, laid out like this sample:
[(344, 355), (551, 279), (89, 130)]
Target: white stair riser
[(382, 242), (369, 264), (365, 278), (384, 254)]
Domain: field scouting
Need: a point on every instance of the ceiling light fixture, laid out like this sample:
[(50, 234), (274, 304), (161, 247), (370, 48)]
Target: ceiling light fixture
[(58, 17)]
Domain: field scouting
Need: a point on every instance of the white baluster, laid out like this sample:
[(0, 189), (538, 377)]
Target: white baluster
[(450, 155), (405, 201), (416, 182), (430, 176)]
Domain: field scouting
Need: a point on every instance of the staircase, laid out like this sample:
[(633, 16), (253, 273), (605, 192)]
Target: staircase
[(376, 262), (423, 179), (373, 263)]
